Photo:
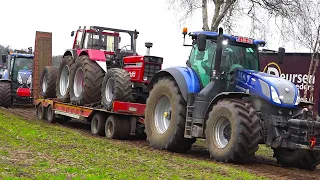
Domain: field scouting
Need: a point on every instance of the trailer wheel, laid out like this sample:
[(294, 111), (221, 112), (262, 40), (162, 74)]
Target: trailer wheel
[(86, 80), (48, 82), (116, 86), (40, 111), (98, 123), (303, 159), (232, 131), (165, 117), (5, 94), (63, 79), (50, 116), (116, 128)]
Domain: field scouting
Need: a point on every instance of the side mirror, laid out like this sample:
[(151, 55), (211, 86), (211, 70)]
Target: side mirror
[(3, 58), (201, 41), (281, 54), (72, 33)]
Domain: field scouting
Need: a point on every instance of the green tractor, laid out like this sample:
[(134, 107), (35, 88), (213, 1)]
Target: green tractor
[(221, 96)]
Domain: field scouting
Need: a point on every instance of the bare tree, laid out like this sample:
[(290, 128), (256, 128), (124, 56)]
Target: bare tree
[(227, 12), (304, 29)]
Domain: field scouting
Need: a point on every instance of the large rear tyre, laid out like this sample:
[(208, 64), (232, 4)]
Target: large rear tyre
[(303, 159), (165, 117), (63, 79), (232, 131), (5, 94), (86, 79), (116, 86), (48, 82)]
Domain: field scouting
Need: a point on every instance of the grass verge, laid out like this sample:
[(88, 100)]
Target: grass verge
[(37, 150)]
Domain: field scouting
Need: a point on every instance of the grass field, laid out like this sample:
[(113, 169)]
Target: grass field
[(36, 150)]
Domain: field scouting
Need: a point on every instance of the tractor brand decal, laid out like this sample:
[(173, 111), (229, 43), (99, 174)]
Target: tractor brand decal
[(300, 80), (132, 74), (244, 76)]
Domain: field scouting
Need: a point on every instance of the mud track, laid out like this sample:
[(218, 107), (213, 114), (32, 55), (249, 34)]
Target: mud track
[(260, 165)]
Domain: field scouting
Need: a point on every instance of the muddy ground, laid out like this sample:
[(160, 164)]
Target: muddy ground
[(260, 165)]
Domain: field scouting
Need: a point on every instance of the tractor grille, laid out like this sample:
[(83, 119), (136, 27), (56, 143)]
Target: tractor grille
[(150, 70)]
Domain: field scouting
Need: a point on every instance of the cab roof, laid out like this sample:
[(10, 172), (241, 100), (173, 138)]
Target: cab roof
[(214, 35), (22, 55)]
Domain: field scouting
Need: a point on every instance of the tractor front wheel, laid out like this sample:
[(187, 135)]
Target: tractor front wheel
[(5, 94), (86, 79), (165, 117), (116, 86), (303, 159), (232, 131)]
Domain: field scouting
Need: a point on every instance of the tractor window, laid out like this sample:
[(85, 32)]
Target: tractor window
[(92, 42), (245, 56), (201, 61), (21, 63), (78, 40)]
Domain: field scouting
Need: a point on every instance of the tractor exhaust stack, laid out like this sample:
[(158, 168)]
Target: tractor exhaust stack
[(148, 45)]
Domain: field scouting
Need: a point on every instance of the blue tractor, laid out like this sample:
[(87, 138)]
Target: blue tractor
[(222, 97), (16, 80)]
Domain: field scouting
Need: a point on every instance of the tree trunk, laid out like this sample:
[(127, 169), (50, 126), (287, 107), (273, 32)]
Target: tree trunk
[(205, 15)]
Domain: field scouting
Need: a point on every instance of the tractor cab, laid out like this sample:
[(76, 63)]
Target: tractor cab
[(106, 40), (236, 52)]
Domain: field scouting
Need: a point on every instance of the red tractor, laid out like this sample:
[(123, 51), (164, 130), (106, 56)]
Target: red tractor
[(97, 71)]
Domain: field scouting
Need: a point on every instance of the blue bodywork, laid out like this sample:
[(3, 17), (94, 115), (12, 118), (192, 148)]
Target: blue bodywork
[(259, 84)]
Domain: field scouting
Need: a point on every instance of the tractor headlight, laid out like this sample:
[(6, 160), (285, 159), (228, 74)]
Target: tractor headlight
[(274, 95), (19, 79), (29, 80)]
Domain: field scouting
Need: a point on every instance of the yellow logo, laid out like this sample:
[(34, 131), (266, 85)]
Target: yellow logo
[(272, 68)]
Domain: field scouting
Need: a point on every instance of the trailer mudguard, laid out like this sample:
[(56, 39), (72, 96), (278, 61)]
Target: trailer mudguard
[(185, 77)]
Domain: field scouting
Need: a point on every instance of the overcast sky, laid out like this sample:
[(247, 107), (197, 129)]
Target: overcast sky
[(150, 17)]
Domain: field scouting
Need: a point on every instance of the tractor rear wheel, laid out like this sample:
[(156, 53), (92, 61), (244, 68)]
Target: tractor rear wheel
[(303, 159), (116, 86), (165, 117), (5, 94), (48, 82), (63, 79), (86, 79), (232, 131)]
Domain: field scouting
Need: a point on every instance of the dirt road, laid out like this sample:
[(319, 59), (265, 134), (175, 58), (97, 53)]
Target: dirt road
[(260, 165)]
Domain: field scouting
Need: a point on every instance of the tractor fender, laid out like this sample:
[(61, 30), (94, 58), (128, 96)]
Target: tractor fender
[(223, 95), (185, 77), (94, 54), (5, 75), (71, 52)]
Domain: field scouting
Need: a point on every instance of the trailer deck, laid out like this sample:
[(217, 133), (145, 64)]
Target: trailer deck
[(119, 123)]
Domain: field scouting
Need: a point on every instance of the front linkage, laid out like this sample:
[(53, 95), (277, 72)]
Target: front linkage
[(300, 131)]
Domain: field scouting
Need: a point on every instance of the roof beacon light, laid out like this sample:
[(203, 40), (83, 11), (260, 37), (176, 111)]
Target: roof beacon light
[(185, 31)]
